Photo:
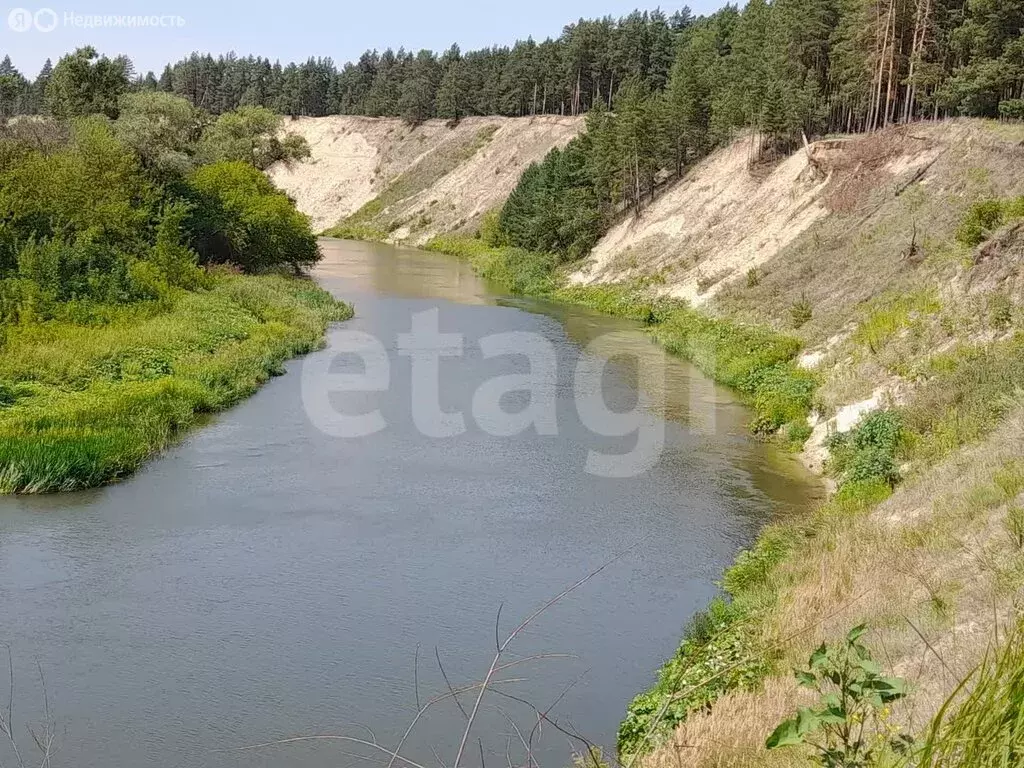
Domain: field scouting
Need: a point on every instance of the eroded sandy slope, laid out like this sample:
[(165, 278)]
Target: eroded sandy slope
[(429, 178), (724, 219)]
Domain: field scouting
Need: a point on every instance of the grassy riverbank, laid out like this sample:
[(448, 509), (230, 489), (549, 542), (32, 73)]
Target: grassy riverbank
[(758, 363), (915, 502), (87, 397)]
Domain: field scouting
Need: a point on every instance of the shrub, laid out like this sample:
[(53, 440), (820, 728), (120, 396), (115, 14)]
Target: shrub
[(250, 135), (981, 220), (848, 727), (868, 452), (801, 312), (241, 218)]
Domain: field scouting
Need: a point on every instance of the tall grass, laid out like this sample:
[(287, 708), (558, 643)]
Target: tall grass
[(87, 404), (985, 729)]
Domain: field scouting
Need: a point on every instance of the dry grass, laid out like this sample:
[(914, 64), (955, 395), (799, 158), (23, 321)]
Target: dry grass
[(934, 570), (732, 732), (864, 251)]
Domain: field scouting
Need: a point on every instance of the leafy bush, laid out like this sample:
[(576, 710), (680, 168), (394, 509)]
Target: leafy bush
[(250, 135), (162, 129), (868, 452), (848, 728), (241, 218), (981, 220), (356, 232)]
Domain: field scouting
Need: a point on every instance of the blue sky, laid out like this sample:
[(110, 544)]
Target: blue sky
[(296, 29)]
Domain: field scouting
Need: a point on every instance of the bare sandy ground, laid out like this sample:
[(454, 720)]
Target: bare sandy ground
[(453, 174)]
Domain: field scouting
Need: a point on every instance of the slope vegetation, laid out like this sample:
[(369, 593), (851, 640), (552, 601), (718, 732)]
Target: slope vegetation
[(897, 259)]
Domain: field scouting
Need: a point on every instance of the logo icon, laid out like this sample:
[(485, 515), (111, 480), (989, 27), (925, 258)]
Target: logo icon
[(20, 19), (46, 20)]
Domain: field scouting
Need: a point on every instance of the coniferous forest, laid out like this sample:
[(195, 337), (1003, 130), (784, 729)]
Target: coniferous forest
[(818, 65), (660, 90)]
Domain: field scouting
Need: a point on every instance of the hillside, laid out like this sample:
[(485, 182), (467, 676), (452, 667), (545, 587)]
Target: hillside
[(850, 234), (897, 259), (409, 183)]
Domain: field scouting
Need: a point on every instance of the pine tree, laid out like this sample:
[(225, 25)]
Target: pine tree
[(451, 101)]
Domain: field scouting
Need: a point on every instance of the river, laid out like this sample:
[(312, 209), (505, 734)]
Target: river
[(267, 578)]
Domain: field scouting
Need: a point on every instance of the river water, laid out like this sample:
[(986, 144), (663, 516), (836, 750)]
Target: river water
[(268, 579)]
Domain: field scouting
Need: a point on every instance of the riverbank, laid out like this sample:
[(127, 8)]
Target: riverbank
[(911, 495), (85, 400), (759, 364)]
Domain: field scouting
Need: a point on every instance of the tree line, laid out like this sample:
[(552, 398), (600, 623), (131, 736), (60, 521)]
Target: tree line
[(788, 69), (123, 195), (818, 64), (660, 91)]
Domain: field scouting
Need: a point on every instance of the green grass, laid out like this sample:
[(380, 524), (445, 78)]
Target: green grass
[(891, 314), (963, 395), (82, 405), (985, 728), (516, 270)]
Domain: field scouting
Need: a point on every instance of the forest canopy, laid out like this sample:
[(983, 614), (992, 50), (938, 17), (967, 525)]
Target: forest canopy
[(822, 64), (122, 195)]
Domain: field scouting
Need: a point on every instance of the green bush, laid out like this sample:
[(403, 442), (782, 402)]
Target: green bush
[(981, 220), (847, 728), (241, 218), (868, 452), (356, 232), (250, 135)]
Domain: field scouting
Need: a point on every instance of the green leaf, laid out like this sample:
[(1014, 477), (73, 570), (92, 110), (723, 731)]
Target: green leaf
[(832, 716), (856, 633), (786, 735), (870, 666), (819, 657), (806, 679), (806, 721)]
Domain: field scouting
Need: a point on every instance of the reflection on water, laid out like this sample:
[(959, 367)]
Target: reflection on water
[(379, 269), (682, 394), (263, 579)]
